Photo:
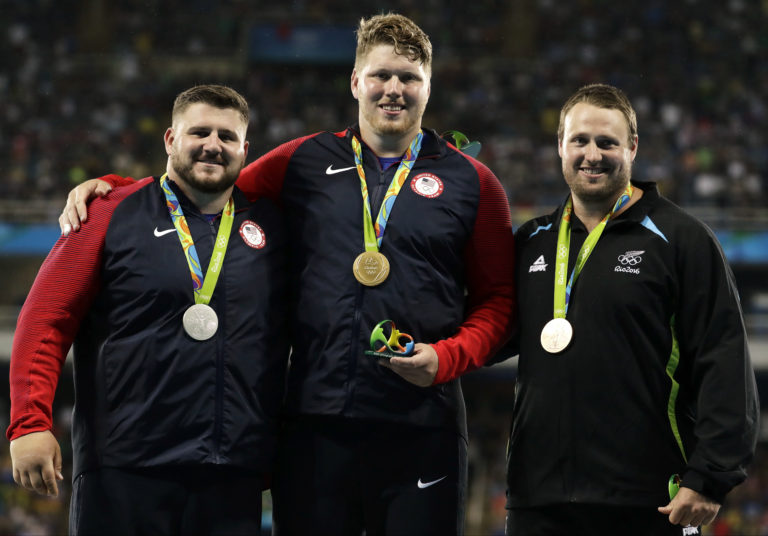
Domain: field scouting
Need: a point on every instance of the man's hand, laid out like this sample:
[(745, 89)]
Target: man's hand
[(419, 369), (36, 459), (690, 508), (76, 210)]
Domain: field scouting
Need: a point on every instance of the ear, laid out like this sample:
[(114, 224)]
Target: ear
[(560, 147), (168, 137), (353, 81), (245, 152), (633, 149)]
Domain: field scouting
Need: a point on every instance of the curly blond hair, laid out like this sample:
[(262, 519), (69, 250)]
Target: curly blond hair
[(397, 30)]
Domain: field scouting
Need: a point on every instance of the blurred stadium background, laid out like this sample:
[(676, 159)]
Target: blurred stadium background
[(86, 88)]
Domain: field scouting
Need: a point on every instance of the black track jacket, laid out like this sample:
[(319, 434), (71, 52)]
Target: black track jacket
[(657, 379)]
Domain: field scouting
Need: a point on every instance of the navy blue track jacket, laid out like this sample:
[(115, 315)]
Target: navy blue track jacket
[(147, 394)]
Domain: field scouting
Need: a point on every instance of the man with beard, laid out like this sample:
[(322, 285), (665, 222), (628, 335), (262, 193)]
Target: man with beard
[(634, 372), (172, 294), (372, 444)]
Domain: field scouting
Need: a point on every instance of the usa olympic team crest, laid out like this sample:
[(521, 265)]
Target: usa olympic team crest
[(252, 234), (427, 185)]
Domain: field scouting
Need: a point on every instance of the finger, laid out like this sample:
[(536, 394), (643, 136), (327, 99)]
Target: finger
[(69, 214), (80, 207), (64, 225), (25, 481), (17, 476), (49, 481), (39, 483), (102, 189), (32, 481), (58, 463), (675, 516), (406, 362), (69, 218)]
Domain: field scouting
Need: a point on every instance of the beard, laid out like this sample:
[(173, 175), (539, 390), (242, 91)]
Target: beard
[(401, 126), (602, 191), (202, 182)]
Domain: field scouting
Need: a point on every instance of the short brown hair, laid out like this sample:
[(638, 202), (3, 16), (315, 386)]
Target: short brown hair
[(397, 30), (214, 95), (602, 96)]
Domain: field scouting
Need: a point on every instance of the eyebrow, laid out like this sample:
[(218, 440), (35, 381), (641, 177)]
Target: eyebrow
[(598, 138), (209, 128), (399, 72)]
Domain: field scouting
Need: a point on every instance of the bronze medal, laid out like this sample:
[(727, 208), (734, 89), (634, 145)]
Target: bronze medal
[(556, 335), (200, 322), (371, 268)]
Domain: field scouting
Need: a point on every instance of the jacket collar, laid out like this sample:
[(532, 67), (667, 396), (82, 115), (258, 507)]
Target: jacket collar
[(431, 146), (635, 213), (241, 202)]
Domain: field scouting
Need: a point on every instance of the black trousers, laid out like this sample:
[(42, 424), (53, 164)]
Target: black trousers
[(592, 520), (167, 501), (339, 477)]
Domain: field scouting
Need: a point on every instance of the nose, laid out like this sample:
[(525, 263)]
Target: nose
[(592, 152), (393, 86), (212, 143)]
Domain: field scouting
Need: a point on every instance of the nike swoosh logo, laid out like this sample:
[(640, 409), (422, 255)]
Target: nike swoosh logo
[(331, 171), (161, 233), (423, 485)]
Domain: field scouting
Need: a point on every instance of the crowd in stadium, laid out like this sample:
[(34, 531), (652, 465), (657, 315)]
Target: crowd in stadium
[(89, 94)]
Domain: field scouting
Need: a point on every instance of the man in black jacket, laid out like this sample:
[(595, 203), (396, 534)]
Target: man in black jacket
[(173, 295), (634, 371)]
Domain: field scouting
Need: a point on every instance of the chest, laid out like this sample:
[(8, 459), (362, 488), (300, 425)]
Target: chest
[(434, 209), (628, 271)]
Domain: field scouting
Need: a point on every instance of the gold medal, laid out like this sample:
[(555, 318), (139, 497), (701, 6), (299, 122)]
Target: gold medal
[(556, 335), (371, 268)]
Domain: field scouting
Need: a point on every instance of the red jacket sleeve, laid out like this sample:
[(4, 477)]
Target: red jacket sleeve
[(59, 299), (489, 260), (264, 177), (116, 180)]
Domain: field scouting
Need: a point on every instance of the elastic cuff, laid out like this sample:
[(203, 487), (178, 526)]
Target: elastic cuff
[(710, 489)]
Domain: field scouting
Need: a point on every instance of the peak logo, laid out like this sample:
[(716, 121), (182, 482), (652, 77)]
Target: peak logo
[(539, 265)]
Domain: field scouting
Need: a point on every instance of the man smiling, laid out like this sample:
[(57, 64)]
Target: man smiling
[(634, 371), (173, 295)]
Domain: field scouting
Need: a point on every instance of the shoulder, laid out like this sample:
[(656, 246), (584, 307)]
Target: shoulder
[(104, 207), (532, 227), (311, 140), (673, 222)]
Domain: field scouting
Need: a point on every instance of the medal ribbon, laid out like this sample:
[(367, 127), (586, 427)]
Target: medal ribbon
[(374, 233), (203, 287), (563, 291)]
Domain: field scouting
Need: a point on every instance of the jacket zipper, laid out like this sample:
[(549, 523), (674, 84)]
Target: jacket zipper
[(219, 387), (354, 350)]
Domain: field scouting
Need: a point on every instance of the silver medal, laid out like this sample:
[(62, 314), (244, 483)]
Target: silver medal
[(556, 335), (200, 322)]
